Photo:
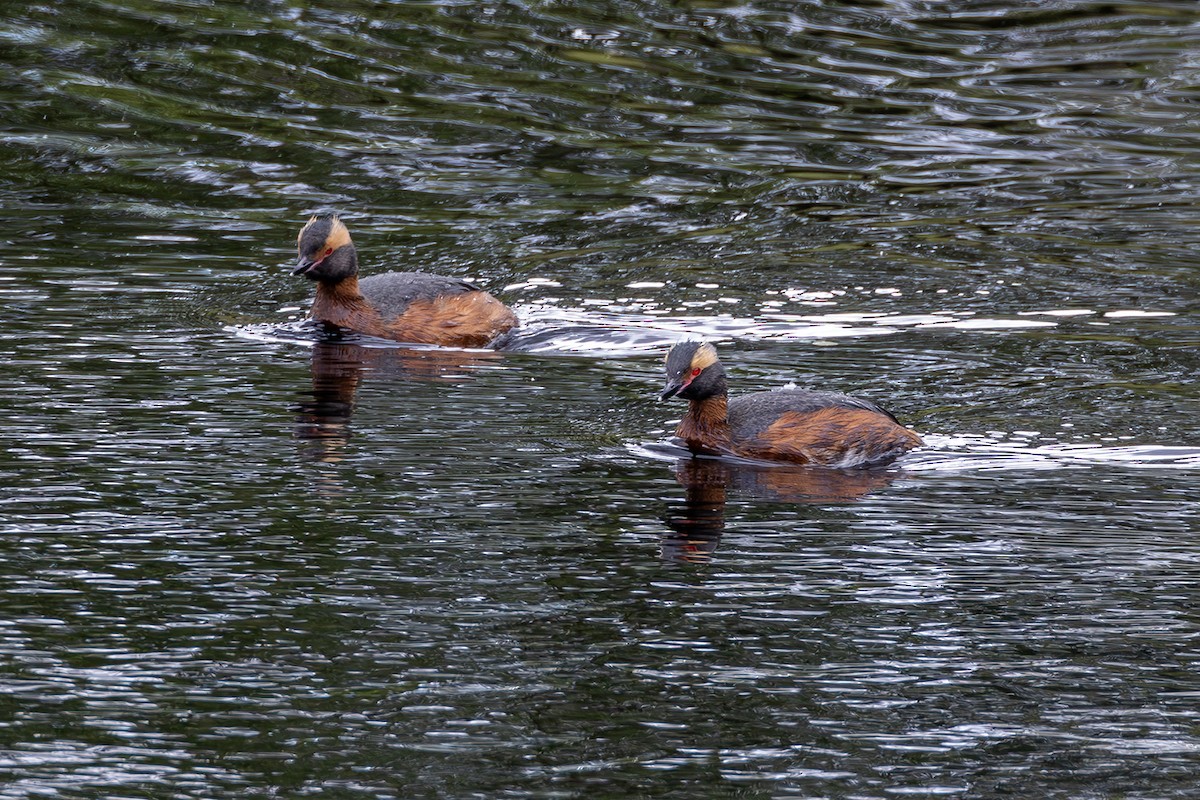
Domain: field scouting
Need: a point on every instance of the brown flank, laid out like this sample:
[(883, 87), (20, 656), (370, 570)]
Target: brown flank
[(825, 436), (471, 319)]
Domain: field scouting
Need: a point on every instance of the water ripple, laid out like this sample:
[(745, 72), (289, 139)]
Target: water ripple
[(242, 558)]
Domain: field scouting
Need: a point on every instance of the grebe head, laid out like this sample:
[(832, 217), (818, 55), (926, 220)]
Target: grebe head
[(325, 250), (693, 372)]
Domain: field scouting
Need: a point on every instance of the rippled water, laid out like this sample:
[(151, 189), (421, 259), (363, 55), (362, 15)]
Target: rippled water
[(240, 560)]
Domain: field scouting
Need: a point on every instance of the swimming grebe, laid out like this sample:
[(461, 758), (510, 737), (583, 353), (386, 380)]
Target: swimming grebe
[(405, 306), (818, 428)]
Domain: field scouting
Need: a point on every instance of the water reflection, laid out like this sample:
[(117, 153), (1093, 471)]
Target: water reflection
[(976, 212), (696, 524), (339, 367)]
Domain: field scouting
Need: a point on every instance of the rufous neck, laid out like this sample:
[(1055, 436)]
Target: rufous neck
[(337, 302), (706, 424), (345, 290)]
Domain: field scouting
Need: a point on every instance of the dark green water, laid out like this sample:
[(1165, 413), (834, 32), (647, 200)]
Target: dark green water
[(239, 562)]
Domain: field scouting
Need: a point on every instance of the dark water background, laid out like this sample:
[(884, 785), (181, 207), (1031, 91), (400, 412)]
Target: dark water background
[(238, 562)]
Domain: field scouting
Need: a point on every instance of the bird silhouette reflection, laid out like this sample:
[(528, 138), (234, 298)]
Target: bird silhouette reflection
[(696, 524), (339, 367)]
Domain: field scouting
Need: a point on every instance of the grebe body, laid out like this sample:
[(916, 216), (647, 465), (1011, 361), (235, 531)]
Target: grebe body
[(822, 429)]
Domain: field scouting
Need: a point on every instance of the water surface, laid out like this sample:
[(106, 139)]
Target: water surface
[(245, 560)]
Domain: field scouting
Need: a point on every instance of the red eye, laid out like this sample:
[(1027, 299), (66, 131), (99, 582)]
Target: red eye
[(696, 372), (330, 250)]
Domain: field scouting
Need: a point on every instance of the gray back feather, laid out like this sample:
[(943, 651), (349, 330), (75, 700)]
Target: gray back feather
[(751, 414), (392, 292)]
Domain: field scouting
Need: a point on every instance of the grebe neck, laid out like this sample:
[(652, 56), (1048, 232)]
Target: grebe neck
[(705, 426), (339, 300)]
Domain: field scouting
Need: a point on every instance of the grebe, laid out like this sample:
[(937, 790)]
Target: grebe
[(405, 306), (818, 428)]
